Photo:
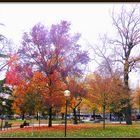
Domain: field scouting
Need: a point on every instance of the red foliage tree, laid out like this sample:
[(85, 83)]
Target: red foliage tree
[(52, 51)]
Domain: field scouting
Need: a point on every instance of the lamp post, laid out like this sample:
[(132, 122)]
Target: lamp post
[(79, 113), (66, 94), (39, 118), (139, 105), (3, 104), (32, 125)]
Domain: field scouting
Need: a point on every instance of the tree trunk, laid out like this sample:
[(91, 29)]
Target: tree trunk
[(37, 116), (50, 117), (110, 117), (75, 116), (62, 116), (93, 114), (126, 78), (135, 116), (23, 116), (139, 105), (79, 113), (128, 113), (120, 118), (103, 116)]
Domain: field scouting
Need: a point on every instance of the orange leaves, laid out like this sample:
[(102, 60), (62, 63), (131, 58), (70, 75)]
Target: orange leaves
[(54, 128), (37, 82), (77, 91), (19, 94), (23, 89), (105, 91), (136, 98), (41, 90), (97, 89)]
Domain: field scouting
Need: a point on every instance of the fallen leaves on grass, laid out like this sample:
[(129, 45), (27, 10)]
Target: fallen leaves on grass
[(55, 128)]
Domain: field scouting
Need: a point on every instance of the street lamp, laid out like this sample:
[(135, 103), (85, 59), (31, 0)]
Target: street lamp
[(32, 125), (66, 94), (3, 104)]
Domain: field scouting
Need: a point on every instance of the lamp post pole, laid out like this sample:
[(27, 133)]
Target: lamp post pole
[(66, 117), (139, 105), (39, 118), (66, 93), (79, 113), (32, 125), (3, 104)]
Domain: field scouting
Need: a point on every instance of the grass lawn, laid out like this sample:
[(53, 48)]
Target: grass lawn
[(80, 130)]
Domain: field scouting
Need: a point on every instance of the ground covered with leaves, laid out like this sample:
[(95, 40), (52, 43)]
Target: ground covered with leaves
[(80, 130)]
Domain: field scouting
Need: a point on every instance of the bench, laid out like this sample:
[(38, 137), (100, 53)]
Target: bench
[(7, 125), (24, 124)]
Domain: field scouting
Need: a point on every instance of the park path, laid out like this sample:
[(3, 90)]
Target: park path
[(37, 125)]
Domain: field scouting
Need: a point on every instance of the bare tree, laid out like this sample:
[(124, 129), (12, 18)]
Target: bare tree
[(127, 24), (104, 56), (122, 53), (7, 55), (6, 49)]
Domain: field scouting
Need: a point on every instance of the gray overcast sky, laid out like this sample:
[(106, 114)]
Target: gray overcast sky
[(89, 19)]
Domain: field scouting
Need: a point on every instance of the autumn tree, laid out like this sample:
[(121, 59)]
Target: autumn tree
[(88, 106), (28, 95), (93, 107), (136, 99), (18, 77), (52, 51), (19, 94), (78, 91), (105, 91), (99, 92), (54, 96), (36, 87), (118, 96)]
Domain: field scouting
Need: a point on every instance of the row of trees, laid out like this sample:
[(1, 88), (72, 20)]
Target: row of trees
[(44, 61), (50, 60), (32, 97)]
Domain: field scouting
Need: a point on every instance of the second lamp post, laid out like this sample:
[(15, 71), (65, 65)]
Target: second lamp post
[(66, 94), (2, 117)]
